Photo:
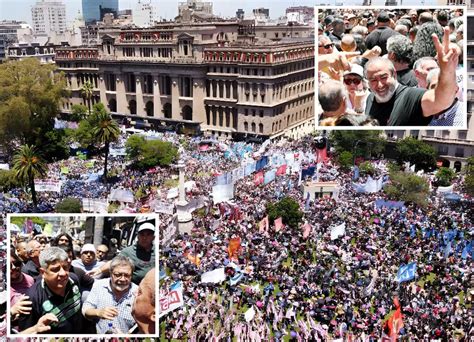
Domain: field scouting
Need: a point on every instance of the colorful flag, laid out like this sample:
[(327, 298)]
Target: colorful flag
[(406, 272), (306, 230), (278, 224), (258, 178), (234, 247), (395, 322), (281, 171), (264, 224)]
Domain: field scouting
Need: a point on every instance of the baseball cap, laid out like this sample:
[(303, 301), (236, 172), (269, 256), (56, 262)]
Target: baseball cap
[(88, 247), (146, 226), (356, 69)]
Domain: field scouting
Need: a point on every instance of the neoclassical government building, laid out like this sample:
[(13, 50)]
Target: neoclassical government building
[(224, 77)]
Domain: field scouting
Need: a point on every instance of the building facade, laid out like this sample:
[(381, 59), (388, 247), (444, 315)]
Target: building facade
[(216, 77), (94, 10), (48, 17), (44, 53), (144, 14), (12, 32)]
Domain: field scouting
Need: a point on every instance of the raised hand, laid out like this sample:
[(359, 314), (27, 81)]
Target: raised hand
[(447, 56)]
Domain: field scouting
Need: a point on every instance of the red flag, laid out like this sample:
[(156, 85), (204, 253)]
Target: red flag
[(258, 178), (321, 155), (263, 226), (306, 230), (395, 322), (281, 170), (278, 224), (234, 247)]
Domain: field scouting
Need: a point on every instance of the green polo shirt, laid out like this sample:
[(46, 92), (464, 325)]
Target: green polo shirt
[(143, 261)]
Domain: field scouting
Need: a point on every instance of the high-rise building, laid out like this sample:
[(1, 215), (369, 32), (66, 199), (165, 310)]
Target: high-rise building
[(94, 10), (48, 16), (144, 14), (12, 32)]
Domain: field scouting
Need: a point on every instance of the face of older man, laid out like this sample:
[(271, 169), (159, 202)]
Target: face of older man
[(325, 46), (143, 310), (56, 276), (423, 71), (121, 277), (381, 81)]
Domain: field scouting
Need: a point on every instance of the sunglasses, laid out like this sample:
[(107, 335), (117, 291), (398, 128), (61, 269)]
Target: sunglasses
[(327, 46), (355, 81)]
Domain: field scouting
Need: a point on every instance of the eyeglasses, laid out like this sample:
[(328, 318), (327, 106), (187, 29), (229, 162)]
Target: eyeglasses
[(120, 275), (327, 46), (355, 81)]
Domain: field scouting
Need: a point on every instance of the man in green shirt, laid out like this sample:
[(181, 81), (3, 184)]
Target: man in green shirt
[(142, 253)]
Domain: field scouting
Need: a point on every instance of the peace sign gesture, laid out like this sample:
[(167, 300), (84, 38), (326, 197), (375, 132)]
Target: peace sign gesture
[(447, 56)]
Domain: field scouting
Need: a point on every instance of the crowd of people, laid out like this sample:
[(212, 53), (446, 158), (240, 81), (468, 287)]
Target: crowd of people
[(301, 284), (94, 291), (391, 68)]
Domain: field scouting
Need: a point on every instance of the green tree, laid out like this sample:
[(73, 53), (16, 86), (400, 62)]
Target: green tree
[(361, 143), (69, 205), (367, 168), (288, 209), (28, 165), (30, 97), (78, 112), (87, 92), (345, 160), (408, 187), (416, 152), (149, 153), (469, 176), (444, 176), (8, 180), (104, 130)]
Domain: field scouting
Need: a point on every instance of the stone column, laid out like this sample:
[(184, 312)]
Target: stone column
[(139, 95), (122, 105), (157, 105), (199, 93), (175, 98), (102, 90), (185, 219)]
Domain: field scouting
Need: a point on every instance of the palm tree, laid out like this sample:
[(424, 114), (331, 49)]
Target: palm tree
[(104, 130), (28, 165), (87, 91)]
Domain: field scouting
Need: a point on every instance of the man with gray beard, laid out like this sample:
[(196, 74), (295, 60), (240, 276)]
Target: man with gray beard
[(393, 104)]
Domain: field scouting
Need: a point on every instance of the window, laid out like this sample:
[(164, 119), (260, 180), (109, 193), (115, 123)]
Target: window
[(459, 152), (186, 86)]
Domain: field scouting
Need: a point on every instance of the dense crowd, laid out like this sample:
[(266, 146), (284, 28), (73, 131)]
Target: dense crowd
[(391, 68), (305, 285)]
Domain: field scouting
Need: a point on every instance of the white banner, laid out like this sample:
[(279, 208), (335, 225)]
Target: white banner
[(215, 276), (168, 234), (48, 185), (222, 193), (95, 205), (338, 231), (445, 189), (121, 195), (249, 314), (162, 207), (172, 193), (171, 301)]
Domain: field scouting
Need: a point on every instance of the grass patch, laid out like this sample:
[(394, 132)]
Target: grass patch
[(171, 183)]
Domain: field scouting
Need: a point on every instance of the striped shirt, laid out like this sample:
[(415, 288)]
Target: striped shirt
[(102, 296), (67, 309)]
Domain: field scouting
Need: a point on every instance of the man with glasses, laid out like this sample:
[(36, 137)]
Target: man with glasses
[(102, 251), (357, 94), (110, 301)]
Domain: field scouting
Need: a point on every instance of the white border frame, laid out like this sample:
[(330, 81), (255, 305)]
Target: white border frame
[(95, 336), (396, 128)]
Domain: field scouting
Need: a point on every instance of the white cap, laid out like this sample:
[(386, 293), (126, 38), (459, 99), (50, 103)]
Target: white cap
[(147, 226)]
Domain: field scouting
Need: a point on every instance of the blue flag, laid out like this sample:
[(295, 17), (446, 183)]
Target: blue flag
[(406, 272), (466, 250), (412, 231), (447, 250), (356, 173)]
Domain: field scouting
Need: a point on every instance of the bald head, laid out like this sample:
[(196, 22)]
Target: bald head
[(348, 43), (332, 95)]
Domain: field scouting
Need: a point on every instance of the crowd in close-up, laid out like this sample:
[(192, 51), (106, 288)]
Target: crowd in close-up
[(60, 285), (391, 68)]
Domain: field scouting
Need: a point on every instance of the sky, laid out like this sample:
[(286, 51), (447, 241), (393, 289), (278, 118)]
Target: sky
[(168, 9)]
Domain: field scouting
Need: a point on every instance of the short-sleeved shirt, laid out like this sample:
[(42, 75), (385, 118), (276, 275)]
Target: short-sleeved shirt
[(451, 117), (102, 296), (143, 261), (403, 109), (78, 263), (20, 288), (67, 309)]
